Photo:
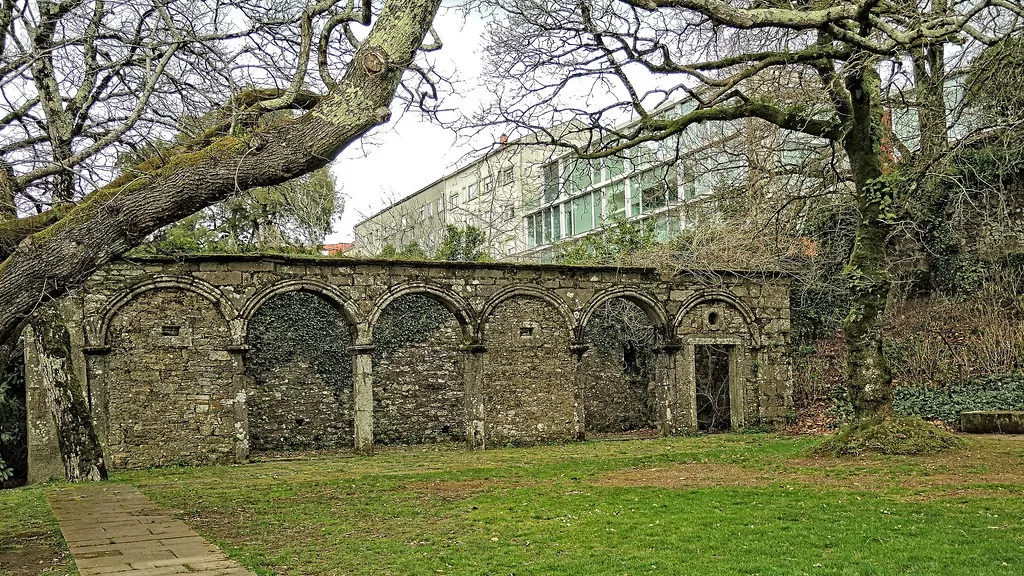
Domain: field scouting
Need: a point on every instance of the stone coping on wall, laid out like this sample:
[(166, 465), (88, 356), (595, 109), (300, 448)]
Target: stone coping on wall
[(276, 258)]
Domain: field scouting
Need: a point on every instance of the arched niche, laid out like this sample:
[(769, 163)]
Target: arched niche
[(166, 390), (618, 370), (298, 369), (528, 388), (418, 380)]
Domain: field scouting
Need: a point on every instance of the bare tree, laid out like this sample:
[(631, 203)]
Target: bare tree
[(599, 61), (359, 73)]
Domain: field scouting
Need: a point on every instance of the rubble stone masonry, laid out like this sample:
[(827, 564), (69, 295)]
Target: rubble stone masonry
[(183, 364)]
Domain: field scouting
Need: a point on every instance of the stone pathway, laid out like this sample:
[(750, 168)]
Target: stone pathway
[(115, 529)]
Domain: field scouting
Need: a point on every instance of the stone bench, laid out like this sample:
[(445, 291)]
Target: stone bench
[(992, 421)]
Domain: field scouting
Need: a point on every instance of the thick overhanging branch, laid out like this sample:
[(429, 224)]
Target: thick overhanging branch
[(116, 217), (746, 18), (653, 129)]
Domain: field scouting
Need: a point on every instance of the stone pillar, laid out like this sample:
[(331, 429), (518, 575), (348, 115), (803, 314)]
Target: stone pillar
[(579, 394), (362, 396), (686, 390), (240, 405), (666, 388), (473, 371), (44, 459)]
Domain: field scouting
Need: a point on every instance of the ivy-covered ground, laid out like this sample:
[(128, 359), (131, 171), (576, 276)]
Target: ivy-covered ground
[(722, 504)]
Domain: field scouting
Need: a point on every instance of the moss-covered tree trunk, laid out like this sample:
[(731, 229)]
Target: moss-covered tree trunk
[(76, 437), (869, 378), (55, 257)]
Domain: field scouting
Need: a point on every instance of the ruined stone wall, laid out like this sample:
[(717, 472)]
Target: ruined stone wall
[(529, 393), (618, 370), (167, 389), (418, 387), (502, 364), (615, 400)]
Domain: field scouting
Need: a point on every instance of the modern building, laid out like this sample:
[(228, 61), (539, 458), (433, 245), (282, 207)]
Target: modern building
[(487, 193), (532, 199)]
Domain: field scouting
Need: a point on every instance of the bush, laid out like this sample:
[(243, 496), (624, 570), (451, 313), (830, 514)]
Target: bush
[(946, 404), (13, 425)]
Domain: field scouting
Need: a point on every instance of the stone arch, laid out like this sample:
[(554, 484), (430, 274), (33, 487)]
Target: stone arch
[(333, 295), (527, 384), (298, 369), (204, 289), (165, 389), (717, 296), (718, 363), (418, 364), (524, 290), (618, 370), (654, 309), (457, 305)]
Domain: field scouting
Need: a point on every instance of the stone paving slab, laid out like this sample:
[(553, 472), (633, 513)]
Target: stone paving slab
[(113, 529)]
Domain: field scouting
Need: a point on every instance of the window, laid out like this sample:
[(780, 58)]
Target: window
[(613, 167), (583, 213), (550, 187), (440, 204), (454, 200), (650, 189), (615, 201), (579, 176), (634, 197), (537, 228), (507, 176), (423, 212), (404, 223), (471, 191), (488, 185)]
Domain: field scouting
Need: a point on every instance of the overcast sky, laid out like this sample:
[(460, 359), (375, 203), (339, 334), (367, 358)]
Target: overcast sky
[(410, 153)]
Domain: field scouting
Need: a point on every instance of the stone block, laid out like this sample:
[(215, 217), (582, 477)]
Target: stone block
[(992, 422)]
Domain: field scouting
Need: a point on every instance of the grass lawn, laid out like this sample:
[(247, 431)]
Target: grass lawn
[(727, 504), (30, 542)]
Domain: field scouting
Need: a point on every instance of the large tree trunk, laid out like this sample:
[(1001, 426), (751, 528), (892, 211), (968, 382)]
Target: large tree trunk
[(869, 378), (79, 446), (119, 216)]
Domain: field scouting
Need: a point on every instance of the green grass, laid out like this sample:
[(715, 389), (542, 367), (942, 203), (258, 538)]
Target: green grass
[(30, 541), (747, 505), (726, 504)]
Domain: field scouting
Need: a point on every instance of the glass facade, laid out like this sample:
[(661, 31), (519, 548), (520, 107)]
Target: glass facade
[(578, 196)]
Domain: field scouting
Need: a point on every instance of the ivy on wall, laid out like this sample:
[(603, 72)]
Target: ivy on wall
[(408, 320), (299, 326)]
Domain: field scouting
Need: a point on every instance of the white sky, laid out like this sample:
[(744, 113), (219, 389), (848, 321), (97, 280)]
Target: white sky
[(406, 155)]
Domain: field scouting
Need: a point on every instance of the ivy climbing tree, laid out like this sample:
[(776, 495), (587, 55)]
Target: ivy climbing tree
[(814, 68)]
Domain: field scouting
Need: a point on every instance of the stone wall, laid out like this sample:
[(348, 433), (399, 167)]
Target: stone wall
[(299, 392), (618, 370), (418, 388), (176, 370), (529, 393), (166, 391)]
